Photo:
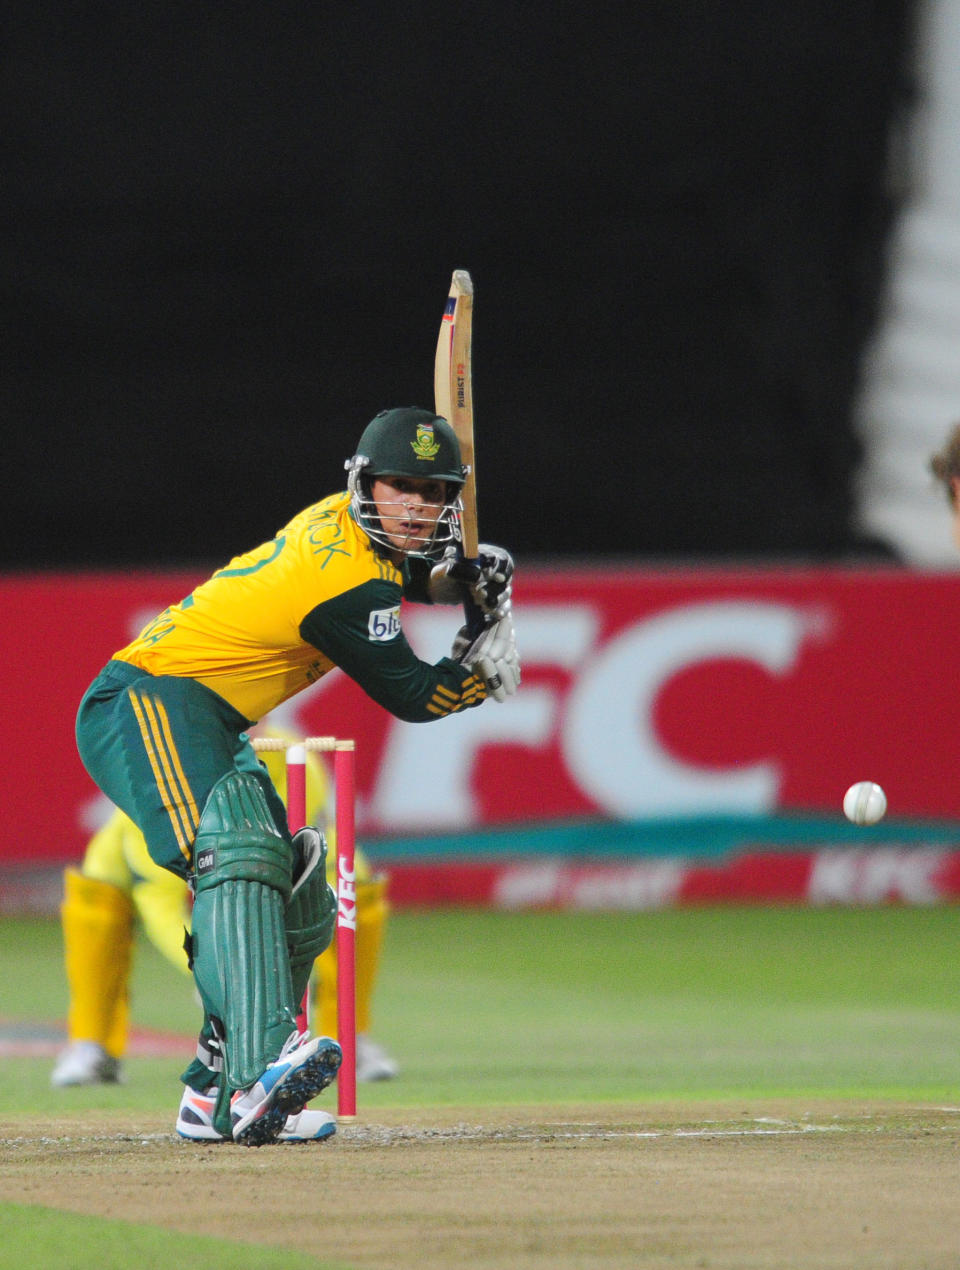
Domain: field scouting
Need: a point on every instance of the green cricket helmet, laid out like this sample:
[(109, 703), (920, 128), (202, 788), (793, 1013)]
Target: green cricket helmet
[(410, 442)]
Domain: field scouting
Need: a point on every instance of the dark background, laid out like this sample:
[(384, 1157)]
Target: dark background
[(228, 231)]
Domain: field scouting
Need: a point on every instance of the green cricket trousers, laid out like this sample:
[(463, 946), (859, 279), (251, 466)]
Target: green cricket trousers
[(156, 745)]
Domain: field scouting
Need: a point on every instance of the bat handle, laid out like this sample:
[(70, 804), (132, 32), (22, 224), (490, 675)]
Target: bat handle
[(474, 616), (467, 572)]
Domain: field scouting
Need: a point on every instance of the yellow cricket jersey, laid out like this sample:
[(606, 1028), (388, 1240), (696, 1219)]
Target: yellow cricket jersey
[(278, 618)]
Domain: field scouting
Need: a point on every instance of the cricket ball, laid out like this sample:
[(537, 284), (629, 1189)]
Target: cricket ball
[(864, 803)]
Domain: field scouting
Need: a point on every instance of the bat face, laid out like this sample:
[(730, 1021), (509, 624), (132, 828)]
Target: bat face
[(453, 390)]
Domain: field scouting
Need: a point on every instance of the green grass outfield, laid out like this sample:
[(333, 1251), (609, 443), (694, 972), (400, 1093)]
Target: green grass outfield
[(491, 1009)]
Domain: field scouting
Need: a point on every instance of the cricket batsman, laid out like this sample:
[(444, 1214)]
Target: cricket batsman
[(162, 730)]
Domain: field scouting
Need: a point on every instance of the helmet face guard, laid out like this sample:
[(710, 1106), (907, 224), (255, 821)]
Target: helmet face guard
[(410, 443)]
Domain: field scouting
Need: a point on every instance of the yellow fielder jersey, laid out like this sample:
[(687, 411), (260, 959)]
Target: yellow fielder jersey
[(278, 618), (117, 854)]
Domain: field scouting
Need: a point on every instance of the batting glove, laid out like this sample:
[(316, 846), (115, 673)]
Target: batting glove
[(486, 580), (494, 587), (492, 655)]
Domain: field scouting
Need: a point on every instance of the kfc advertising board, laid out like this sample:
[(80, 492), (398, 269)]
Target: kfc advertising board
[(646, 695)]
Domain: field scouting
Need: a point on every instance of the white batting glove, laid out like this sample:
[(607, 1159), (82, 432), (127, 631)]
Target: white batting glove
[(486, 580), (493, 588), (493, 656)]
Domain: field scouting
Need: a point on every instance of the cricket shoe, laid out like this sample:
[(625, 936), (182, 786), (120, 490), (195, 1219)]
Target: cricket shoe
[(85, 1063), (195, 1120), (305, 1067), (373, 1061)]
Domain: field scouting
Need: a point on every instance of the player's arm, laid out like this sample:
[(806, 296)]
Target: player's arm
[(161, 898), (164, 910), (359, 630)]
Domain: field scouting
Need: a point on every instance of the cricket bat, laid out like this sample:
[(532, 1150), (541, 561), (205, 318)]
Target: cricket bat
[(453, 392), (453, 398)]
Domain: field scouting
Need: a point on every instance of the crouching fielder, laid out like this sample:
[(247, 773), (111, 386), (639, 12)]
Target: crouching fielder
[(162, 731)]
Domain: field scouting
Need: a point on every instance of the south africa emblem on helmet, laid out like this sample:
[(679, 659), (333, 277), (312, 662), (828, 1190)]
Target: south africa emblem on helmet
[(425, 446)]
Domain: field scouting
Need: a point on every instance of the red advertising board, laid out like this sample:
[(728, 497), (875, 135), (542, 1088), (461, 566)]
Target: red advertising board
[(834, 876), (646, 694)]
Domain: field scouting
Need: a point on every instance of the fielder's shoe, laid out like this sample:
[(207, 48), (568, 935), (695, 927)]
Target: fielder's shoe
[(373, 1061), (85, 1063), (305, 1067), (195, 1120)]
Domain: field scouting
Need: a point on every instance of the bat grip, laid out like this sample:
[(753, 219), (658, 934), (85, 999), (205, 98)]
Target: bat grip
[(467, 572), (474, 616)]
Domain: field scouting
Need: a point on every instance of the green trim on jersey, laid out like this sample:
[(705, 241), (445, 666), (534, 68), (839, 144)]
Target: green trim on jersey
[(359, 631)]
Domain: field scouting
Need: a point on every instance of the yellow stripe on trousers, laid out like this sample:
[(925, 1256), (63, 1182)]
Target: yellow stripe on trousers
[(172, 784)]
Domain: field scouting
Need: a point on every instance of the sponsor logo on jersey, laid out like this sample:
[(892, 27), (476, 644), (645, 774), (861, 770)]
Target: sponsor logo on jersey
[(425, 446), (384, 624)]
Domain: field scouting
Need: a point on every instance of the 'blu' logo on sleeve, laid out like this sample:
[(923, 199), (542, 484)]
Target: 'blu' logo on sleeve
[(384, 624)]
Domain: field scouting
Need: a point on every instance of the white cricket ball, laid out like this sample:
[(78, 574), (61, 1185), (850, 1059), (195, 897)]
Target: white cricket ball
[(865, 803)]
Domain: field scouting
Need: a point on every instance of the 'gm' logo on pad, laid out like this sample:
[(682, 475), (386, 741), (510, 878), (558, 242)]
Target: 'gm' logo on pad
[(206, 860)]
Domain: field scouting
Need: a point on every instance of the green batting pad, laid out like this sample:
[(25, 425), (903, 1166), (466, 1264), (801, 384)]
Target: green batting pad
[(240, 958)]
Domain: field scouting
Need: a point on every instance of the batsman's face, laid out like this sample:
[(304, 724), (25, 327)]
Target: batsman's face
[(409, 508)]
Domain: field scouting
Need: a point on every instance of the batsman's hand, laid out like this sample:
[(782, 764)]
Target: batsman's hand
[(486, 580), (492, 655), (493, 589)]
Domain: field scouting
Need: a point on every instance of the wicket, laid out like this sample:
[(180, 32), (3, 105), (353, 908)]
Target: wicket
[(344, 783)]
